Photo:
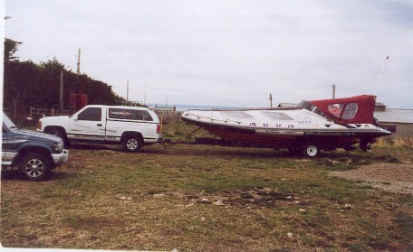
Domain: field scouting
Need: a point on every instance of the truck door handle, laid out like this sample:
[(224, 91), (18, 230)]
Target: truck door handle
[(99, 124)]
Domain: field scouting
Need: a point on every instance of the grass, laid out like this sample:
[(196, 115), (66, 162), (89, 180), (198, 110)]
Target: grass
[(404, 142), (107, 199)]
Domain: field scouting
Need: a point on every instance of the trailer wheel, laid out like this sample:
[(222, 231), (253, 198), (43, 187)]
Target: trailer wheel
[(311, 151)]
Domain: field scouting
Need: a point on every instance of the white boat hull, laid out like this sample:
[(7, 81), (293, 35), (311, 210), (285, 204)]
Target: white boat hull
[(282, 128)]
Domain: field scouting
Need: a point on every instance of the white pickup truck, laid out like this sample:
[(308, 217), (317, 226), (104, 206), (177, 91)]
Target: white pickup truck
[(132, 127)]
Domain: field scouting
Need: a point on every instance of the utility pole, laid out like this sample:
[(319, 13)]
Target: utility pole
[(270, 97), (144, 94), (127, 91), (334, 91), (78, 61), (61, 92)]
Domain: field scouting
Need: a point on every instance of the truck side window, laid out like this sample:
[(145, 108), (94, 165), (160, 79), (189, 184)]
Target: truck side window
[(90, 114), (143, 115)]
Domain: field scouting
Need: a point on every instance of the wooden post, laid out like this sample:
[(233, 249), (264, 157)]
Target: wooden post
[(61, 92)]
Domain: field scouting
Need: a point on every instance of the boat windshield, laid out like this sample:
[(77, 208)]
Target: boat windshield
[(8, 123), (305, 105), (313, 108)]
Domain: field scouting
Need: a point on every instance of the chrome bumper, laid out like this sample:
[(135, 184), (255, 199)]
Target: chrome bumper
[(60, 158)]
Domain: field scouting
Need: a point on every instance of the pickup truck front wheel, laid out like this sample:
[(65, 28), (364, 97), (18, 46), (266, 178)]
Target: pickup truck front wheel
[(132, 143), (35, 166)]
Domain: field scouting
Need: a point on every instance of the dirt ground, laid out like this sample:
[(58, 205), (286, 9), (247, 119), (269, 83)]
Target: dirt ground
[(391, 177)]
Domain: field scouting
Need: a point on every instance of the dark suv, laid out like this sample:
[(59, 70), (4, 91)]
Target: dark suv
[(32, 153)]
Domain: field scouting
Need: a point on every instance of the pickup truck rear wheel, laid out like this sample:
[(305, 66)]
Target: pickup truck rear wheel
[(132, 143), (35, 166)]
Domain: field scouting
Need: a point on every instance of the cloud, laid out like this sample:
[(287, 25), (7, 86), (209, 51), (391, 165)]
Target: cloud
[(227, 52)]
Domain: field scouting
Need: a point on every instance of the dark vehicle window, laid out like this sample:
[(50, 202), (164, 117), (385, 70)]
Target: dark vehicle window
[(7, 122), (90, 114), (143, 115), (126, 114), (129, 114)]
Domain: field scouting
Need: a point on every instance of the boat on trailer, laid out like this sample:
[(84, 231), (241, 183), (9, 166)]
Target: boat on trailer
[(306, 128)]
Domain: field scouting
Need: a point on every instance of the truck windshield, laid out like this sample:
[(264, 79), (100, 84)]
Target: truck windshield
[(9, 124)]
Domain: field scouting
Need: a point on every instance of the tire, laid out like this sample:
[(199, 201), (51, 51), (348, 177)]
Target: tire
[(311, 151), (35, 166), (132, 143), (60, 133)]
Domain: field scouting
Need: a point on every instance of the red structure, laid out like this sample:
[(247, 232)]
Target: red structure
[(357, 109), (78, 101)]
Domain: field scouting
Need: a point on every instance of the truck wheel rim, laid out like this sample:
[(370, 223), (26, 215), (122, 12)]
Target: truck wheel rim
[(312, 150), (132, 144), (34, 167)]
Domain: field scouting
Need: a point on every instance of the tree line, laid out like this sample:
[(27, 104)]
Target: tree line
[(29, 84)]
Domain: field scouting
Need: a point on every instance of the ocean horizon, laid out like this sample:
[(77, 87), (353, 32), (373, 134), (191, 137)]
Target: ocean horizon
[(184, 107)]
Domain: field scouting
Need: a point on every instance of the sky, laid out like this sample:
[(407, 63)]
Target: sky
[(227, 53)]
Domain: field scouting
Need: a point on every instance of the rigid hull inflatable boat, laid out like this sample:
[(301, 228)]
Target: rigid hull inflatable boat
[(308, 127)]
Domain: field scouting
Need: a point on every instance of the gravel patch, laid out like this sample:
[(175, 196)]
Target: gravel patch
[(397, 178)]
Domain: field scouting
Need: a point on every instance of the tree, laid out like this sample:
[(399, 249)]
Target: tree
[(29, 84), (10, 48)]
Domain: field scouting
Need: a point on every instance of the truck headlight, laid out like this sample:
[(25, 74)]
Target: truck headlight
[(58, 147)]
